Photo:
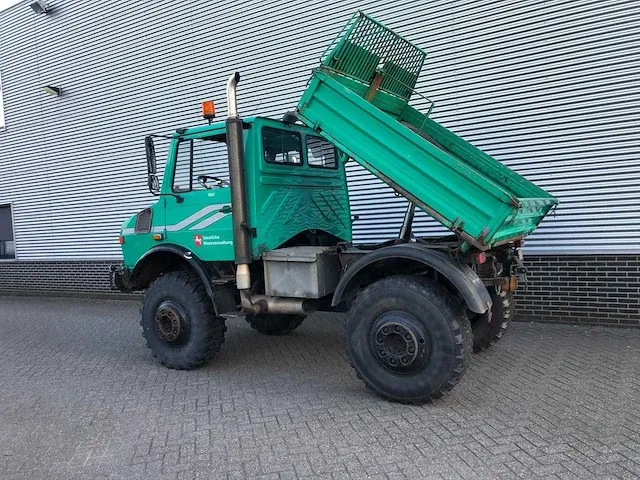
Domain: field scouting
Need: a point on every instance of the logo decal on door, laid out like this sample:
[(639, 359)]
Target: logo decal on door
[(197, 239)]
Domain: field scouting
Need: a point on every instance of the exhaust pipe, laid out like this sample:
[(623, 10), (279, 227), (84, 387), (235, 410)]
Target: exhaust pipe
[(261, 304), (239, 216)]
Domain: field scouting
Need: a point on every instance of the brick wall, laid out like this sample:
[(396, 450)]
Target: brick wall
[(55, 277), (601, 289)]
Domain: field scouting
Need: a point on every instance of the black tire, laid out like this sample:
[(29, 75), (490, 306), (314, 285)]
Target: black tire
[(430, 321), (179, 322), (486, 333), (275, 324)]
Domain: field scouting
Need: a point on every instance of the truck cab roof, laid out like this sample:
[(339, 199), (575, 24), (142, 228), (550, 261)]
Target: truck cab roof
[(217, 128)]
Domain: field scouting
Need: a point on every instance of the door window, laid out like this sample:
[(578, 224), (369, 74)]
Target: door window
[(201, 164)]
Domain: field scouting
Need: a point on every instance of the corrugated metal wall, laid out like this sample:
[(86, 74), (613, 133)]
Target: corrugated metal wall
[(550, 88)]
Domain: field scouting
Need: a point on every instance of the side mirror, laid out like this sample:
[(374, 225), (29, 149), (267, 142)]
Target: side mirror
[(150, 150), (152, 178), (154, 185)]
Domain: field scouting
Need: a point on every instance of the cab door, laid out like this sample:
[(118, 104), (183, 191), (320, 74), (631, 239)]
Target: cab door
[(295, 195), (198, 214)]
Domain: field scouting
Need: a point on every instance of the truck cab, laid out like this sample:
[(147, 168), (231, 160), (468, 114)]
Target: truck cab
[(295, 182)]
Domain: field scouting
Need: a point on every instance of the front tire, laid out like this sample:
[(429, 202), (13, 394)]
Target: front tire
[(276, 324), (179, 322), (408, 339)]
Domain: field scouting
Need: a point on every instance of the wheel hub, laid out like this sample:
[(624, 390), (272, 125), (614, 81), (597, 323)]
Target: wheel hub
[(400, 343), (168, 322)]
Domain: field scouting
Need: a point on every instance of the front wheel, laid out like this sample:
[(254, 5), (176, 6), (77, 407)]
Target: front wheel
[(408, 338), (179, 323)]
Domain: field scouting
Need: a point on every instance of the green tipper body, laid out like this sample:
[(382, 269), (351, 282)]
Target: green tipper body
[(283, 200), (358, 99)]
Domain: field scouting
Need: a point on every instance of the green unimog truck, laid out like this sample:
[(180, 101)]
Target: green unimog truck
[(253, 220)]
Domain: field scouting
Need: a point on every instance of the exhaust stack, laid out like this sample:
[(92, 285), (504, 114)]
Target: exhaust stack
[(239, 216)]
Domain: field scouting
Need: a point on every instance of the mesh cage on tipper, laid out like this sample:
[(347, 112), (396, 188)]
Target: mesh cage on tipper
[(367, 51)]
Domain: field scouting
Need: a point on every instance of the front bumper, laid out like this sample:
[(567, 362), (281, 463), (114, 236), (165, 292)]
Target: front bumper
[(120, 278)]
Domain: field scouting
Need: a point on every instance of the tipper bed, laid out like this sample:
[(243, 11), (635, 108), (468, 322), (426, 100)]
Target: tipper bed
[(359, 100)]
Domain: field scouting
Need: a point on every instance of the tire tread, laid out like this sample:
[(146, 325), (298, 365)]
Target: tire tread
[(459, 324), (274, 324), (216, 327), (487, 334)]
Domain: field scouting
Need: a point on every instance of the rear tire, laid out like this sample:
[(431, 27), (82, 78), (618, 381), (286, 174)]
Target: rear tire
[(408, 339), (179, 322), (486, 333), (277, 324)]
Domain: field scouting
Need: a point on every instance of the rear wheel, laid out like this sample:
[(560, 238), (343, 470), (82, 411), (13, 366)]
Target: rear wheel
[(276, 324), (179, 323), (488, 329), (408, 338)]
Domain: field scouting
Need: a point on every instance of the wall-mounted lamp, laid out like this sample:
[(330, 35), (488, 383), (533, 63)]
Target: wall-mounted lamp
[(55, 91), (40, 6)]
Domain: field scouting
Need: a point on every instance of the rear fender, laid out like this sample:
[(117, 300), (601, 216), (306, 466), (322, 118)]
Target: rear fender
[(461, 276)]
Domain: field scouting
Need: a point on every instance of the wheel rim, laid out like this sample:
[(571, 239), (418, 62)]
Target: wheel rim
[(400, 343), (169, 322)]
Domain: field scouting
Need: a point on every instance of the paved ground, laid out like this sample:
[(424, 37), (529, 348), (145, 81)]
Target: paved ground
[(81, 397)]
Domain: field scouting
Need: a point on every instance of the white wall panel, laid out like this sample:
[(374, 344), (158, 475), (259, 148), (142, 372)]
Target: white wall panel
[(550, 88)]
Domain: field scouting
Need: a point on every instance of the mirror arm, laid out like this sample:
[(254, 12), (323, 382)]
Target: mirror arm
[(178, 198)]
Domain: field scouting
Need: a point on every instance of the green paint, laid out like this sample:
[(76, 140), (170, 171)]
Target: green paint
[(283, 200)]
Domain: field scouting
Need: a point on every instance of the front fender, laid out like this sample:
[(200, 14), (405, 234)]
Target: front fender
[(463, 278), (183, 253)]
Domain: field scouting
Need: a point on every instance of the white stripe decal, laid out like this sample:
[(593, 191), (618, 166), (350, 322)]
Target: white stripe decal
[(192, 218), (131, 231), (208, 221), (187, 221)]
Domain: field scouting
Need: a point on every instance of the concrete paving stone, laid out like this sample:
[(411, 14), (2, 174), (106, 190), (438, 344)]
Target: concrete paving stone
[(82, 397)]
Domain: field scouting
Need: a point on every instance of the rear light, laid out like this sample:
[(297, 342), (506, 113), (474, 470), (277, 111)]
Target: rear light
[(121, 239), (480, 258)]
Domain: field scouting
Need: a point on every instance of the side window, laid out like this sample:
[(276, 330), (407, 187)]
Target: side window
[(321, 153), (201, 157), (7, 246), (281, 146)]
